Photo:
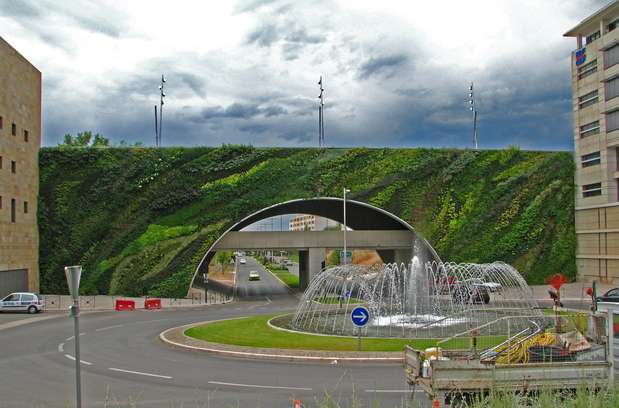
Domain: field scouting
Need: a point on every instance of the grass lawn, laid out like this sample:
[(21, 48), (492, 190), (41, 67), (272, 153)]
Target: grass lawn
[(288, 278), (254, 332)]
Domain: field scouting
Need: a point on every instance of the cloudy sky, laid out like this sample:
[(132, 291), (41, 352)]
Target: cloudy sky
[(396, 71)]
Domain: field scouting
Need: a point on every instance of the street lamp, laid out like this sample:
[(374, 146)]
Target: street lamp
[(473, 108), (73, 274), (345, 251)]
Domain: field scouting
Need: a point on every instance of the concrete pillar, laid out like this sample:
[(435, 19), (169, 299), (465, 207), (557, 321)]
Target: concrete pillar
[(395, 255), (387, 255), (316, 261), (304, 275)]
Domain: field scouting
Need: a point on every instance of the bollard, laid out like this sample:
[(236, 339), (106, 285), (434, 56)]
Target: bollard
[(436, 403), (297, 403)]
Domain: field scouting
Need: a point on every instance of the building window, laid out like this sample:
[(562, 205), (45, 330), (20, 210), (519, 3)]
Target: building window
[(0, 162), (590, 129), (14, 129), (13, 167), (590, 159), (612, 121), (12, 210), (593, 37), (611, 88), (0, 202), (590, 190), (611, 26), (588, 99), (611, 56), (588, 69), (25, 207), (25, 135), (1, 123)]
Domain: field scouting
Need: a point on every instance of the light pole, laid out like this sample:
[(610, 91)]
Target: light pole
[(73, 274), (321, 116), (345, 251), (473, 108)]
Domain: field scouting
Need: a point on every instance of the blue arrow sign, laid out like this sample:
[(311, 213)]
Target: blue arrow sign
[(360, 316)]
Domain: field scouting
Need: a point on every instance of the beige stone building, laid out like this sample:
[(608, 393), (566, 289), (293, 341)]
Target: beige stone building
[(20, 138), (595, 84)]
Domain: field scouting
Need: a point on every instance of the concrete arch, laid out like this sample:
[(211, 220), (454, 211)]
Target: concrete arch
[(360, 216)]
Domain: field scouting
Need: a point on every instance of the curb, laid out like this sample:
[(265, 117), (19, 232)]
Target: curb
[(256, 354)]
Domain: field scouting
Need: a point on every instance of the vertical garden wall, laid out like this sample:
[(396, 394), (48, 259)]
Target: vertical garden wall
[(140, 219)]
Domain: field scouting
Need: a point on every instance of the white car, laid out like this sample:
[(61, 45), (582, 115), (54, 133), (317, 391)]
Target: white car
[(242, 261), (22, 302), (254, 275)]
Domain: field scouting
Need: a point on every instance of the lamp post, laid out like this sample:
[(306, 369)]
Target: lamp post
[(73, 274), (345, 251), (473, 108)]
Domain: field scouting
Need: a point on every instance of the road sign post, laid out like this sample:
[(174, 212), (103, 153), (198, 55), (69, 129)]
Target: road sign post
[(73, 275), (360, 316)]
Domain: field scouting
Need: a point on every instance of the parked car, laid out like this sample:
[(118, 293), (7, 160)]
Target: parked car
[(289, 262), (254, 275), (610, 296), (242, 261), (22, 302)]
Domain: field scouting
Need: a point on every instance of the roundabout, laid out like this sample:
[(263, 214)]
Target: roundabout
[(125, 363), (267, 337)]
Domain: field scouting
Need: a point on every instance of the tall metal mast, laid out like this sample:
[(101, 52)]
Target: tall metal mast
[(473, 108), (160, 111), (321, 116)]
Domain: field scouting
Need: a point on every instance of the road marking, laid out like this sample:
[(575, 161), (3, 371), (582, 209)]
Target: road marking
[(140, 373), (70, 357), (72, 337), (268, 300), (260, 386), (61, 348), (109, 327)]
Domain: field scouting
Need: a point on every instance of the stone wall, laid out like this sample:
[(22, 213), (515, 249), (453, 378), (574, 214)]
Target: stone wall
[(20, 138)]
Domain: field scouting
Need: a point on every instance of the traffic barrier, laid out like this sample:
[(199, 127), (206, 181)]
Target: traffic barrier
[(297, 403), (150, 304), (125, 304)]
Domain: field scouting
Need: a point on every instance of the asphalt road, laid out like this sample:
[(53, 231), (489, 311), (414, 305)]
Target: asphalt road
[(123, 361), (268, 285)]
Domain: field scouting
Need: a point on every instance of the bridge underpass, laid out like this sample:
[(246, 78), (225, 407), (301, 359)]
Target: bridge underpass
[(370, 228), (391, 245)]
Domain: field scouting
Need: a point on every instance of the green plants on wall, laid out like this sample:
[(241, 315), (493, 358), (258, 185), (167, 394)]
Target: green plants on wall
[(140, 219)]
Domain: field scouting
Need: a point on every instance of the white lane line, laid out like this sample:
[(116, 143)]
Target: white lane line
[(394, 391), (72, 337), (109, 327), (61, 348), (151, 321), (260, 386), (140, 373), (70, 357), (268, 300)]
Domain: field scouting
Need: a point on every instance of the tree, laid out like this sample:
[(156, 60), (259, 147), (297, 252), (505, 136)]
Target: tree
[(223, 258), (85, 139)]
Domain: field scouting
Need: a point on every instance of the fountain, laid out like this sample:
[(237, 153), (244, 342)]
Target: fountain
[(418, 300)]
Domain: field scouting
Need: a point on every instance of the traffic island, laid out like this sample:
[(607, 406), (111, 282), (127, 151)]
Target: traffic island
[(255, 338)]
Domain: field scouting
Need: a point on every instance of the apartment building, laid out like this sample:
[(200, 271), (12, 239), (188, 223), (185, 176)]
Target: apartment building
[(20, 138)]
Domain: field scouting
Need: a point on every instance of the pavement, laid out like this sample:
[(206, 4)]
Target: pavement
[(268, 285), (123, 360)]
